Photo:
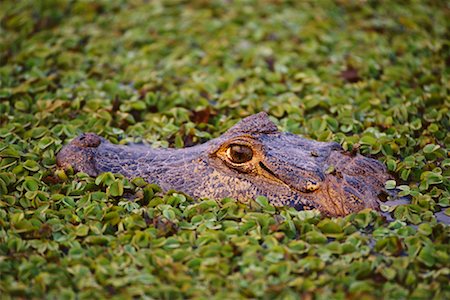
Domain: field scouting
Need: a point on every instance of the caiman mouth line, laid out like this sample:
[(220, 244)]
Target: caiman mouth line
[(202, 172), (274, 176), (265, 168)]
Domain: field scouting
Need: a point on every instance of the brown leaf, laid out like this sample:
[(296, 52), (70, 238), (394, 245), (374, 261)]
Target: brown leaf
[(350, 75), (202, 116)]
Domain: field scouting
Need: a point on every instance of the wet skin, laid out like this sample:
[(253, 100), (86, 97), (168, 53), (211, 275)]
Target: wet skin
[(252, 158)]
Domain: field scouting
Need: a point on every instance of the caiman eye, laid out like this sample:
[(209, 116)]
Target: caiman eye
[(239, 154)]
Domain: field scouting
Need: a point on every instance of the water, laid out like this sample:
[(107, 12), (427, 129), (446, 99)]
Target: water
[(394, 200)]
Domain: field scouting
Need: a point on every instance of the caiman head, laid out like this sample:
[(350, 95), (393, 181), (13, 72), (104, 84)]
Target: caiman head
[(252, 158)]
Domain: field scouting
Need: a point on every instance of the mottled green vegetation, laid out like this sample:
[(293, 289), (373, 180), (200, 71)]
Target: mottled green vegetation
[(372, 75)]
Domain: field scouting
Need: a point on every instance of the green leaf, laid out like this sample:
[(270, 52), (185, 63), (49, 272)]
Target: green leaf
[(425, 229), (82, 230), (329, 227), (426, 256), (31, 165), (390, 184), (112, 217), (31, 184), (314, 237), (116, 188), (267, 207), (430, 148), (45, 142), (368, 140), (169, 214), (391, 164), (106, 178)]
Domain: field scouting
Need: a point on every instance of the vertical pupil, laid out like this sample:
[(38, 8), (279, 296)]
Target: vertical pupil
[(240, 154)]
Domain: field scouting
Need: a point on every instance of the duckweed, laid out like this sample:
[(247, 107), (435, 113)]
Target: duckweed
[(371, 75)]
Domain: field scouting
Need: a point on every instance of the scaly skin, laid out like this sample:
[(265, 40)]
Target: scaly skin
[(287, 169)]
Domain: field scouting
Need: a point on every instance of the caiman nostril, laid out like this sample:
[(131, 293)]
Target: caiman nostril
[(87, 140)]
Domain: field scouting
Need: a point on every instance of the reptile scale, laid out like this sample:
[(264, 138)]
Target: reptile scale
[(252, 158)]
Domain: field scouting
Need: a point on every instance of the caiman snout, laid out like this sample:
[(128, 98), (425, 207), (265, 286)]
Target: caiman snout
[(80, 154)]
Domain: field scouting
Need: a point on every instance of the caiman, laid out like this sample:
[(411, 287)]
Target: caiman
[(252, 158)]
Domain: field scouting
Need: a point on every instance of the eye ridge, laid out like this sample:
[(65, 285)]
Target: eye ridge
[(239, 154)]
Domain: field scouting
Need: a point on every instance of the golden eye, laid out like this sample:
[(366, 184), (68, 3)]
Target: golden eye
[(239, 154)]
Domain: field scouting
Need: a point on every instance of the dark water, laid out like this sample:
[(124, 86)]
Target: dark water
[(394, 200), (441, 217)]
